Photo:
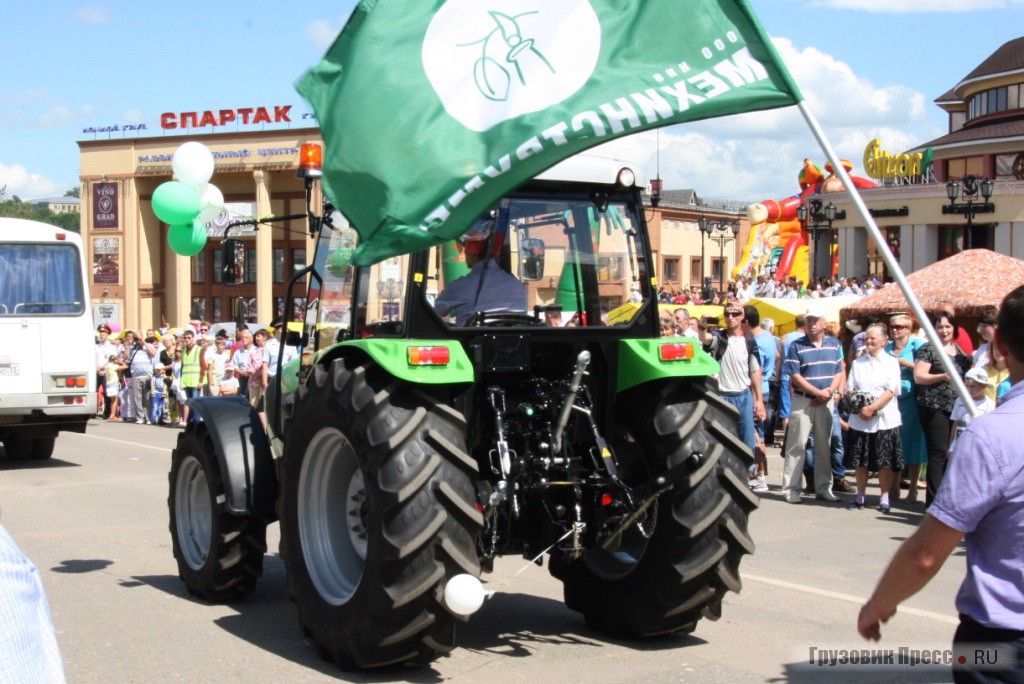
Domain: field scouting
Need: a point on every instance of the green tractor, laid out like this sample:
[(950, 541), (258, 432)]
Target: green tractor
[(421, 435)]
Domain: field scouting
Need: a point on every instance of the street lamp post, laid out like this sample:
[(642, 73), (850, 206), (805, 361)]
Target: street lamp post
[(722, 233), (705, 229), (821, 220), (971, 186)]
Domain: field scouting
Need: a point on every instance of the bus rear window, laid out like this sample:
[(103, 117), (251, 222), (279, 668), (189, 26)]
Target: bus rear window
[(41, 279)]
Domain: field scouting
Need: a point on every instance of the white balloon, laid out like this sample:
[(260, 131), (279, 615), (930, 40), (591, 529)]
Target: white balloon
[(464, 594), (211, 203), (193, 163), (211, 197)]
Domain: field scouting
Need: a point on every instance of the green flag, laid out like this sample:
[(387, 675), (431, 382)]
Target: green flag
[(432, 110)]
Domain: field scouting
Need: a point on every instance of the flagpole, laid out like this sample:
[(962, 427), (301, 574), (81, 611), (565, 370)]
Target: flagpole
[(889, 259)]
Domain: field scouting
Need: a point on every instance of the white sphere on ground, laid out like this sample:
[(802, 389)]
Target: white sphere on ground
[(464, 594)]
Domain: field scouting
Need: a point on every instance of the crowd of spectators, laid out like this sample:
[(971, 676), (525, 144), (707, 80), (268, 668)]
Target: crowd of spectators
[(764, 287), (874, 398), (148, 376)]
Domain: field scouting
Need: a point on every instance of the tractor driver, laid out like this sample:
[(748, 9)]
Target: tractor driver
[(487, 287)]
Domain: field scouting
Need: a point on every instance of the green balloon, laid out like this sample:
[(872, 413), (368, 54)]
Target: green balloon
[(175, 203), (339, 261), (187, 240)]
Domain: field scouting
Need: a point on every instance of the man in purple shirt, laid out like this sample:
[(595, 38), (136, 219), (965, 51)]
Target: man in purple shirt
[(981, 499)]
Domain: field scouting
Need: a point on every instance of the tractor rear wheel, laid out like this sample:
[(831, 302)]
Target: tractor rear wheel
[(377, 512), (676, 566)]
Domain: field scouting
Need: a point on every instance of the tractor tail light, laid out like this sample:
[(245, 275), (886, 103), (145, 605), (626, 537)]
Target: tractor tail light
[(429, 356), (676, 351)]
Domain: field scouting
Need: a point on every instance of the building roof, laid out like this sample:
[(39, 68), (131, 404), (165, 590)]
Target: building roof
[(1009, 57), (991, 131), (56, 200), (680, 198)]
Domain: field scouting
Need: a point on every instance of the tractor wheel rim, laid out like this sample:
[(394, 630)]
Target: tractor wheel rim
[(194, 513), (332, 515)]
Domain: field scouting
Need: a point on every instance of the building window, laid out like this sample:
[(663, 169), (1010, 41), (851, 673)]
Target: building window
[(717, 270), (298, 260), (278, 265), (244, 309), (695, 273), (951, 241), (1005, 163), (198, 310), (250, 265), (218, 266), (217, 313), (199, 268), (671, 270)]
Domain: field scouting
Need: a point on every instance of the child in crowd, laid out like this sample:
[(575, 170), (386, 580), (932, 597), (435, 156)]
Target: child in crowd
[(112, 385), (157, 397), (977, 381), (229, 383)]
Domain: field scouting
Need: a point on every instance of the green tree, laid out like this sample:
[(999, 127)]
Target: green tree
[(16, 208), (73, 192)]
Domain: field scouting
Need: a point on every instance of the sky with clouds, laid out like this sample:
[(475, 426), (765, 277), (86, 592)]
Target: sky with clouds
[(868, 68)]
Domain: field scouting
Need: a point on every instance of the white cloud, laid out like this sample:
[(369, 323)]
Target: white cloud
[(26, 185), (92, 14), (915, 6), (134, 116), (759, 155), (322, 33)]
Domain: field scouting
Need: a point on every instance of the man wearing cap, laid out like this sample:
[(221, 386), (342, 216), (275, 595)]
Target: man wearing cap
[(104, 350), (739, 381), (814, 363), (487, 287)]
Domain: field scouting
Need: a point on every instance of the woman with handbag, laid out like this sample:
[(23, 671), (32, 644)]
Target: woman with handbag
[(874, 435), (935, 395)]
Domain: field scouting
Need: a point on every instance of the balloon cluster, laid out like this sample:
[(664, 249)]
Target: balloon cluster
[(190, 201)]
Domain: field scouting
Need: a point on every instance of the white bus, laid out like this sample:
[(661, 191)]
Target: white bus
[(47, 341)]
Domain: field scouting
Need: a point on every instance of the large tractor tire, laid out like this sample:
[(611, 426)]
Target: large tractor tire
[(219, 554), (378, 511), (676, 566)]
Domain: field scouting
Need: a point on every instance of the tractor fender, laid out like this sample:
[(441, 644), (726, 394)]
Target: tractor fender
[(243, 453)]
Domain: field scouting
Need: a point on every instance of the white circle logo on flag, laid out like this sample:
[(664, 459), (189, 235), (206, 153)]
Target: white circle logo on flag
[(496, 60)]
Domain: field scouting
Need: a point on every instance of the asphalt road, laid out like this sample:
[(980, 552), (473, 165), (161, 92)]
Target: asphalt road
[(94, 520)]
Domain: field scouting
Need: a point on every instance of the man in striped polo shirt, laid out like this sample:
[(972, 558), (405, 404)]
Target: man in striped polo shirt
[(814, 363)]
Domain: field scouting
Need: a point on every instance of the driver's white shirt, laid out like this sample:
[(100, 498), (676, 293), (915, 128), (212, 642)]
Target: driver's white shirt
[(501, 291)]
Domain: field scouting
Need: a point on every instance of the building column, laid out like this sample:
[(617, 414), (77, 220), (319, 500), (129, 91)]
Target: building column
[(925, 246), (264, 251), (853, 252)]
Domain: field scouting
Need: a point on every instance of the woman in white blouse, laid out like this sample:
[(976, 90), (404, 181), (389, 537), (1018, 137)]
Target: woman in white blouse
[(874, 437)]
